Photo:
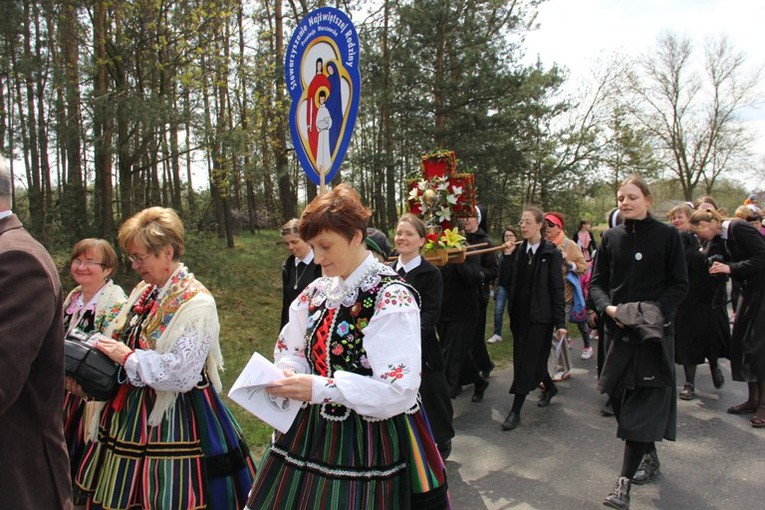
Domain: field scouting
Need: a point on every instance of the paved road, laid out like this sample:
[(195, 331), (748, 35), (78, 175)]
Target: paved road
[(567, 456)]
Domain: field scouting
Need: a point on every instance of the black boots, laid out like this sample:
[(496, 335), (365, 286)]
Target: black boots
[(513, 420), (620, 496), (547, 395), (648, 469)]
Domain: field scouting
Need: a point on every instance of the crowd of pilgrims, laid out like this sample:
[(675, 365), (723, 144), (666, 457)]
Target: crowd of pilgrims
[(376, 342)]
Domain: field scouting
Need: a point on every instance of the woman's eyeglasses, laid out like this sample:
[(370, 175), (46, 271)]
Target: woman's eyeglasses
[(86, 263), (138, 259)]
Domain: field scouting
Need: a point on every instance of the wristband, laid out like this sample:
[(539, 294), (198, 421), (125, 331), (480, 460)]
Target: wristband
[(126, 356)]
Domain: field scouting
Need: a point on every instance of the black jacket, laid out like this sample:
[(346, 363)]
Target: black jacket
[(548, 305), (462, 284), (640, 261), (289, 276), (488, 267), (426, 279)]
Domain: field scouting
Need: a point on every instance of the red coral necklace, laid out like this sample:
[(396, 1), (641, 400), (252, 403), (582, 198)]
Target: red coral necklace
[(145, 301)]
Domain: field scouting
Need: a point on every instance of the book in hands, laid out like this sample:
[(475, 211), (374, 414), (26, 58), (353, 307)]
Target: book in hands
[(249, 391)]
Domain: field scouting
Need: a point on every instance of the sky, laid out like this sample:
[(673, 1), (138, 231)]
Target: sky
[(573, 33)]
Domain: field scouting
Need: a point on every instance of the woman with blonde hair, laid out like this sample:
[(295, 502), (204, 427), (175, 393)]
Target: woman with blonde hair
[(638, 281), (702, 329), (743, 249), (166, 440)]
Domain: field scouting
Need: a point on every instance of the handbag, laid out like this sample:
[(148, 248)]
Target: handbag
[(93, 370)]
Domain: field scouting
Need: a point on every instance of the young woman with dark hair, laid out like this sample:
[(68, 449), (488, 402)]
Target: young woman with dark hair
[(537, 310)]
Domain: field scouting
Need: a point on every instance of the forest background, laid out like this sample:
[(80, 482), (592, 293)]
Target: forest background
[(108, 107)]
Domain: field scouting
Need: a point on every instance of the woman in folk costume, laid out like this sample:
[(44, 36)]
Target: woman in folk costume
[(91, 308), (640, 265), (426, 279), (351, 353), (166, 440), (743, 249)]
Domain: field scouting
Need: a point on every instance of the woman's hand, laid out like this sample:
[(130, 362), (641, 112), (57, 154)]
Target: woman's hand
[(611, 312), (294, 386), (74, 388), (509, 247), (561, 332), (719, 268), (112, 348)]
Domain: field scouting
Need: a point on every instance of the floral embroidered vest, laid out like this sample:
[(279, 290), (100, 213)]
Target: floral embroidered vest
[(335, 335)]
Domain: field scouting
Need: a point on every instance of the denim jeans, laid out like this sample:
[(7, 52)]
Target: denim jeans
[(500, 296)]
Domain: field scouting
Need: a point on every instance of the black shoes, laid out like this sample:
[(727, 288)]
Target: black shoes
[(547, 395), (620, 496), (648, 469), (513, 420), (487, 373), (445, 448), (717, 377), (480, 386)]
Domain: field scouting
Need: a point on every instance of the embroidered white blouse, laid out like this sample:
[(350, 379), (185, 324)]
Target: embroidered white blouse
[(391, 340)]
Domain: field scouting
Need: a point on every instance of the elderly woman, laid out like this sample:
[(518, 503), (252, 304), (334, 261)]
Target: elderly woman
[(640, 266), (744, 258), (351, 352), (91, 308), (537, 311), (702, 330), (298, 270), (166, 440)]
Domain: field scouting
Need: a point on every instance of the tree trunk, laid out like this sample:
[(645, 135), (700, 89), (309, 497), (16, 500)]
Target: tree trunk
[(102, 126)]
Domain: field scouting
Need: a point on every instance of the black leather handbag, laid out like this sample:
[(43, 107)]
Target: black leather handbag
[(93, 370)]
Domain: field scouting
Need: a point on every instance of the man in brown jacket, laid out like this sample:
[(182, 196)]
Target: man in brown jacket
[(34, 466)]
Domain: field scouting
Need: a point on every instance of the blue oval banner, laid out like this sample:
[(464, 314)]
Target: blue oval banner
[(321, 69)]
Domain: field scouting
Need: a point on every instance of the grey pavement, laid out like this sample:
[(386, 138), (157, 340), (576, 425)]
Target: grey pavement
[(567, 456)]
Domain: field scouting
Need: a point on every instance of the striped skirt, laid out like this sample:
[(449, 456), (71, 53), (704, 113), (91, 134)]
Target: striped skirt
[(196, 458), (351, 464)]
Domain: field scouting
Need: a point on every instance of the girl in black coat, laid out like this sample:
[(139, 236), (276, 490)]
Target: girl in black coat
[(744, 251), (537, 310), (642, 261), (298, 270), (426, 279)]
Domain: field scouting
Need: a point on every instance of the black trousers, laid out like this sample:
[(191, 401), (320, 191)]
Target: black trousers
[(457, 338)]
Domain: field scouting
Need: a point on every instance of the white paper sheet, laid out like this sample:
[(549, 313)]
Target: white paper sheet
[(249, 392)]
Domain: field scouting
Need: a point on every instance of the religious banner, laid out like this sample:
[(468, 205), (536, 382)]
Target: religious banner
[(321, 69)]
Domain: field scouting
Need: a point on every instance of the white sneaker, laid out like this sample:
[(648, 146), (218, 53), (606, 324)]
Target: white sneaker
[(586, 353), (494, 339)]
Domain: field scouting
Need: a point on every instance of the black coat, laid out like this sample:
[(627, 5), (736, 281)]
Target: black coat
[(462, 286), (426, 279), (537, 307), (640, 260), (488, 269), (744, 249), (702, 327), (548, 305), (290, 277)]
